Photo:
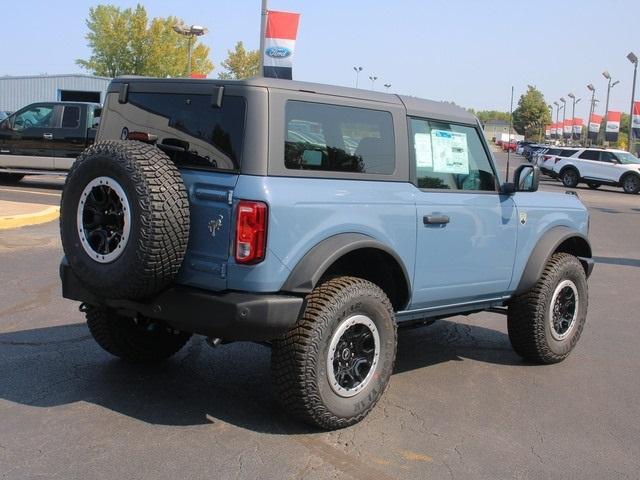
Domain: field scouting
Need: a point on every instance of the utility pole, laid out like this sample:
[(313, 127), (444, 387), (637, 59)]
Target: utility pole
[(263, 31), (633, 59)]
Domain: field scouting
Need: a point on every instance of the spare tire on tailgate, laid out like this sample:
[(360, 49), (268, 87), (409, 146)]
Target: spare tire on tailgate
[(124, 219)]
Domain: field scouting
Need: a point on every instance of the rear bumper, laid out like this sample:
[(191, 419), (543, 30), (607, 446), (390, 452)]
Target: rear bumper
[(226, 315)]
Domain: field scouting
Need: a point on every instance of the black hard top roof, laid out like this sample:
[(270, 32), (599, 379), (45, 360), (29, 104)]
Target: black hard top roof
[(414, 106)]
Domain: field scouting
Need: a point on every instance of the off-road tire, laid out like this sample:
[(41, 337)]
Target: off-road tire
[(570, 177), (10, 178), (159, 225), (299, 358), (630, 183), (529, 315), (133, 340)]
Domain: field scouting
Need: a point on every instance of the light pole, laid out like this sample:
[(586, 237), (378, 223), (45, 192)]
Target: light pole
[(557, 116), (633, 59), (387, 86), (564, 114), (610, 85), (573, 113), (357, 70), (551, 113), (189, 32), (373, 80)]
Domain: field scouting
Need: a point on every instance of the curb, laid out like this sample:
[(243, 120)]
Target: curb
[(17, 221)]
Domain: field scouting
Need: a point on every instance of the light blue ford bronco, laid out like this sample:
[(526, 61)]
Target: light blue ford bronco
[(316, 219)]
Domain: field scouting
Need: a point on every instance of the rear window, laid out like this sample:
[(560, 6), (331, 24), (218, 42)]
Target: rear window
[(338, 139), (553, 151), (590, 155), (190, 130)]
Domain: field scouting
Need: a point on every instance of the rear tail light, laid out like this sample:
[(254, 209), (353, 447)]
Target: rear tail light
[(251, 232)]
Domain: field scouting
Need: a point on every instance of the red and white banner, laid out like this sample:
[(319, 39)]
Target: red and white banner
[(566, 128), (547, 131), (594, 126), (279, 45), (613, 126), (635, 121), (577, 127)]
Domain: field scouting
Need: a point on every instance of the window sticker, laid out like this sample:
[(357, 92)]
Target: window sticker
[(424, 155), (450, 152)]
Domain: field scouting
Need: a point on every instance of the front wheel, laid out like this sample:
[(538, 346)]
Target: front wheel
[(631, 183), (332, 367), (546, 322)]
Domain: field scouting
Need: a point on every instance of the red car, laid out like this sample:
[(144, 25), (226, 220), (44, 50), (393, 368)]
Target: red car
[(506, 146)]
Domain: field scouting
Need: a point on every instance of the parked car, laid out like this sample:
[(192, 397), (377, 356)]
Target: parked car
[(508, 146), (317, 219), (45, 138), (597, 167), (521, 145)]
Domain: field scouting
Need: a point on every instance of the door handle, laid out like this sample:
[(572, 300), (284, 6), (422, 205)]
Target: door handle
[(435, 219), (48, 136)]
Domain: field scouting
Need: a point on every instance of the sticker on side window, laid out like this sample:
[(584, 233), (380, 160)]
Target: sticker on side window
[(450, 152), (424, 155)]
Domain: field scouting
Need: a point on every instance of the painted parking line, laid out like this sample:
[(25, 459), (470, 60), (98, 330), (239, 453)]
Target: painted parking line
[(27, 219), (35, 192)]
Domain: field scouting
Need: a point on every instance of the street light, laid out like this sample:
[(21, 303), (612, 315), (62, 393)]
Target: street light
[(564, 114), (591, 109), (610, 85), (189, 32), (573, 113), (358, 70), (633, 59), (557, 116), (387, 86), (373, 80)]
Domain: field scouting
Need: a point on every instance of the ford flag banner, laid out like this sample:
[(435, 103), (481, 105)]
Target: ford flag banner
[(547, 131), (566, 128), (554, 130), (594, 126), (635, 122), (279, 45), (577, 128), (613, 127)]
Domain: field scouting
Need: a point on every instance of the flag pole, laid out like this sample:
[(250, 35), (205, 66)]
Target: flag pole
[(263, 31), (510, 126)]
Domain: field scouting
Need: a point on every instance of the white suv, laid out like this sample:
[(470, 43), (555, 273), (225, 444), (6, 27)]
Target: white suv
[(597, 167)]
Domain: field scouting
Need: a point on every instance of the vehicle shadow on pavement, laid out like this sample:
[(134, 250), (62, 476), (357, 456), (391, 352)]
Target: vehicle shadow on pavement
[(61, 365)]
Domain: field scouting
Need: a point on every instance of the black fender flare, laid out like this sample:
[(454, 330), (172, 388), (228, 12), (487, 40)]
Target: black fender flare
[(306, 274), (547, 245)]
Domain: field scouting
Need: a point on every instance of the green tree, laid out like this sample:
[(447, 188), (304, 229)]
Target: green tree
[(532, 113), (240, 63), (485, 115), (124, 42)]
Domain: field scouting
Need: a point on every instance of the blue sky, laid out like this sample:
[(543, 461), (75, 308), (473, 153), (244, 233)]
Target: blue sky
[(465, 51)]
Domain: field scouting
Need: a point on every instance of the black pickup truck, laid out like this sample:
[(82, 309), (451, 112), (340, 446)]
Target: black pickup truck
[(45, 138)]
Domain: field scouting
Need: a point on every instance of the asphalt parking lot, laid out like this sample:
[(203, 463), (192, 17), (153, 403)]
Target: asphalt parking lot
[(461, 404)]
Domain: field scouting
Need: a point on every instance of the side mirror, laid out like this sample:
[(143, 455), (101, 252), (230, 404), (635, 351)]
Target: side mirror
[(526, 178)]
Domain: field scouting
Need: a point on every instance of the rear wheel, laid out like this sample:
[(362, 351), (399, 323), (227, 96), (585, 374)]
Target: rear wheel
[(134, 339), (631, 183), (546, 322), (10, 177), (570, 177), (333, 366)]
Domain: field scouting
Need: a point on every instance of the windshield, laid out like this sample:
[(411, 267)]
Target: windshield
[(627, 158)]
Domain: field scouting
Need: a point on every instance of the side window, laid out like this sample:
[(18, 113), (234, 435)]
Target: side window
[(608, 157), (589, 155), (450, 157), (338, 139), (40, 116), (71, 117)]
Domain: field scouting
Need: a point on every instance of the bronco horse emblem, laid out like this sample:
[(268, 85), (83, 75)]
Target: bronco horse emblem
[(215, 225)]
